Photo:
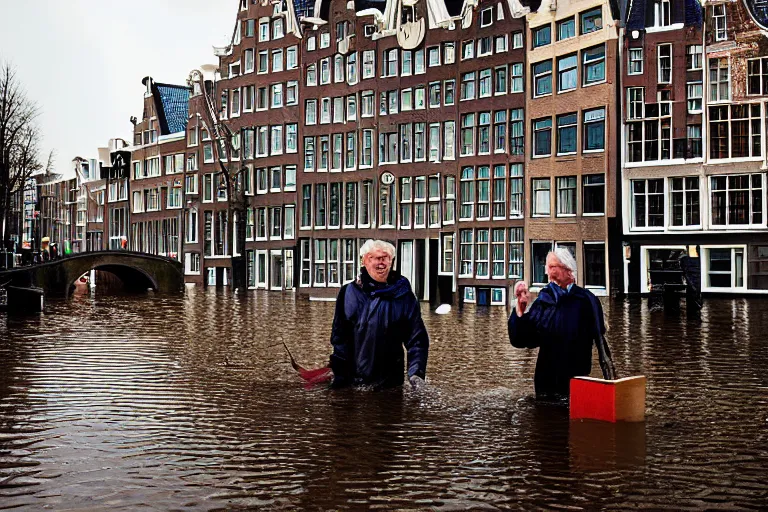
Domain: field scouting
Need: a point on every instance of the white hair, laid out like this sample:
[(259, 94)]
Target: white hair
[(371, 244), (566, 259)]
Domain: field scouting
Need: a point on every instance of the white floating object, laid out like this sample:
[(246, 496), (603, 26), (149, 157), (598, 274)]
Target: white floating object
[(443, 309)]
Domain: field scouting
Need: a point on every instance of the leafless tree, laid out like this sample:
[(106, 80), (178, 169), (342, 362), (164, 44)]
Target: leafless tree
[(19, 140), (227, 143)]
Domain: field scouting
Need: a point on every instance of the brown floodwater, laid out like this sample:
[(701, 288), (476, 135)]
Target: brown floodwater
[(189, 403)]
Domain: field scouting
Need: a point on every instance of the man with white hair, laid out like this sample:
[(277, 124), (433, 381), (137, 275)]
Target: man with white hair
[(563, 322), (375, 316)]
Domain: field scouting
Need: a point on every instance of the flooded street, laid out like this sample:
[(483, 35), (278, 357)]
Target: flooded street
[(162, 403)]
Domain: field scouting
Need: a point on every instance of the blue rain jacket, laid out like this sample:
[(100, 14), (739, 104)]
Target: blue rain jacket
[(563, 326), (371, 324)]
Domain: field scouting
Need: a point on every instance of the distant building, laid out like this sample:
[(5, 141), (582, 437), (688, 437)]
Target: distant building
[(158, 163)]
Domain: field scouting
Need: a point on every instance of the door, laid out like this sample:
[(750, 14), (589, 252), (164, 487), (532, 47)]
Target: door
[(434, 261), (276, 268)]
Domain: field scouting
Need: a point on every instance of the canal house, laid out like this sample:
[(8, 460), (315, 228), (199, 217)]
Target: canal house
[(693, 141), (571, 162), (158, 163), (413, 133)]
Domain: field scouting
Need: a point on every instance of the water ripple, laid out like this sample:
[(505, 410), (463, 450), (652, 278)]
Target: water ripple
[(171, 404)]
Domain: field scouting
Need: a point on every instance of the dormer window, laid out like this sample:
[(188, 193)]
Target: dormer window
[(486, 17), (277, 29), (341, 30), (662, 13), (719, 22)]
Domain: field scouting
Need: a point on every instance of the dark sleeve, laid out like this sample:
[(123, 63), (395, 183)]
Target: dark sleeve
[(342, 340), (522, 330), (600, 316), (417, 343)]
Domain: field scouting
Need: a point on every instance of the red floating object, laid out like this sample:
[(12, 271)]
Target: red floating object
[(312, 377), (608, 400)]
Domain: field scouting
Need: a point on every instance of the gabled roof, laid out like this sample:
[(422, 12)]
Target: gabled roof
[(640, 13), (361, 5), (303, 8), (172, 104)]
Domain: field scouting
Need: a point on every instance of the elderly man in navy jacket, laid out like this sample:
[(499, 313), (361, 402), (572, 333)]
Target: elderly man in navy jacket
[(563, 322), (376, 315)]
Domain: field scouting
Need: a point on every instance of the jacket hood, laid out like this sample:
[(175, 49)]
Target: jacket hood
[(547, 295), (396, 286)]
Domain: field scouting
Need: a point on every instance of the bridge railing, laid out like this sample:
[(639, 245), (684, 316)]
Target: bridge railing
[(31, 258)]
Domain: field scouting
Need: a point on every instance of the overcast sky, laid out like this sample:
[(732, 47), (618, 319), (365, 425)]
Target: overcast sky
[(83, 60)]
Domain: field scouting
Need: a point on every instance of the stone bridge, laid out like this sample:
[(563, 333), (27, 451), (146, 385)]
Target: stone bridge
[(138, 271)]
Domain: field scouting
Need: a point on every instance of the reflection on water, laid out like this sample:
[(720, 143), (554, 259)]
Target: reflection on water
[(171, 403)]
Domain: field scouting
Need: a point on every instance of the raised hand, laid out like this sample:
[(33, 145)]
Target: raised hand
[(523, 297)]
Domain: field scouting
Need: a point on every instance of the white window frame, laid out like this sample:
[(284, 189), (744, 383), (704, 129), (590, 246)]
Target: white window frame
[(705, 250)]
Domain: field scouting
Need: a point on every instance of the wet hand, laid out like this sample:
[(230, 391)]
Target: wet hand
[(417, 383), (523, 297)]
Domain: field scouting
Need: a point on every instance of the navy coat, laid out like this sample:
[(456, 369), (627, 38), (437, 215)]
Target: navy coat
[(564, 329), (370, 326)]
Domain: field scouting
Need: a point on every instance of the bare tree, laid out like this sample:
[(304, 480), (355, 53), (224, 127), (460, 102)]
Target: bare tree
[(231, 175), (19, 140)]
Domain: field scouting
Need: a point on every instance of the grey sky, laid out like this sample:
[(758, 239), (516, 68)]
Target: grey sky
[(83, 60)]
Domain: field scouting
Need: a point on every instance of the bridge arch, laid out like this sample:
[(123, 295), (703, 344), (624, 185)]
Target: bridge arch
[(133, 278), (138, 271)]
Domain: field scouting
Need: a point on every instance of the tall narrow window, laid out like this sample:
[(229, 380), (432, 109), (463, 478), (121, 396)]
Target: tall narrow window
[(515, 253), (594, 129), (594, 264), (467, 193), (542, 78), (685, 201), (635, 57), (483, 192), (719, 79), (664, 54), (406, 200), (593, 62), (321, 199), (465, 252), (593, 194), (500, 131), (515, 191), (542, 137), (540, 188), (566, 196), (566, 133), (566, 73), (719, 22), (499, 191), (449, 208)]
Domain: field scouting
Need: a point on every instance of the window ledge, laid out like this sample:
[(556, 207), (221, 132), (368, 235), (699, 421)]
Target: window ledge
[(667, 28), (593, 84)]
